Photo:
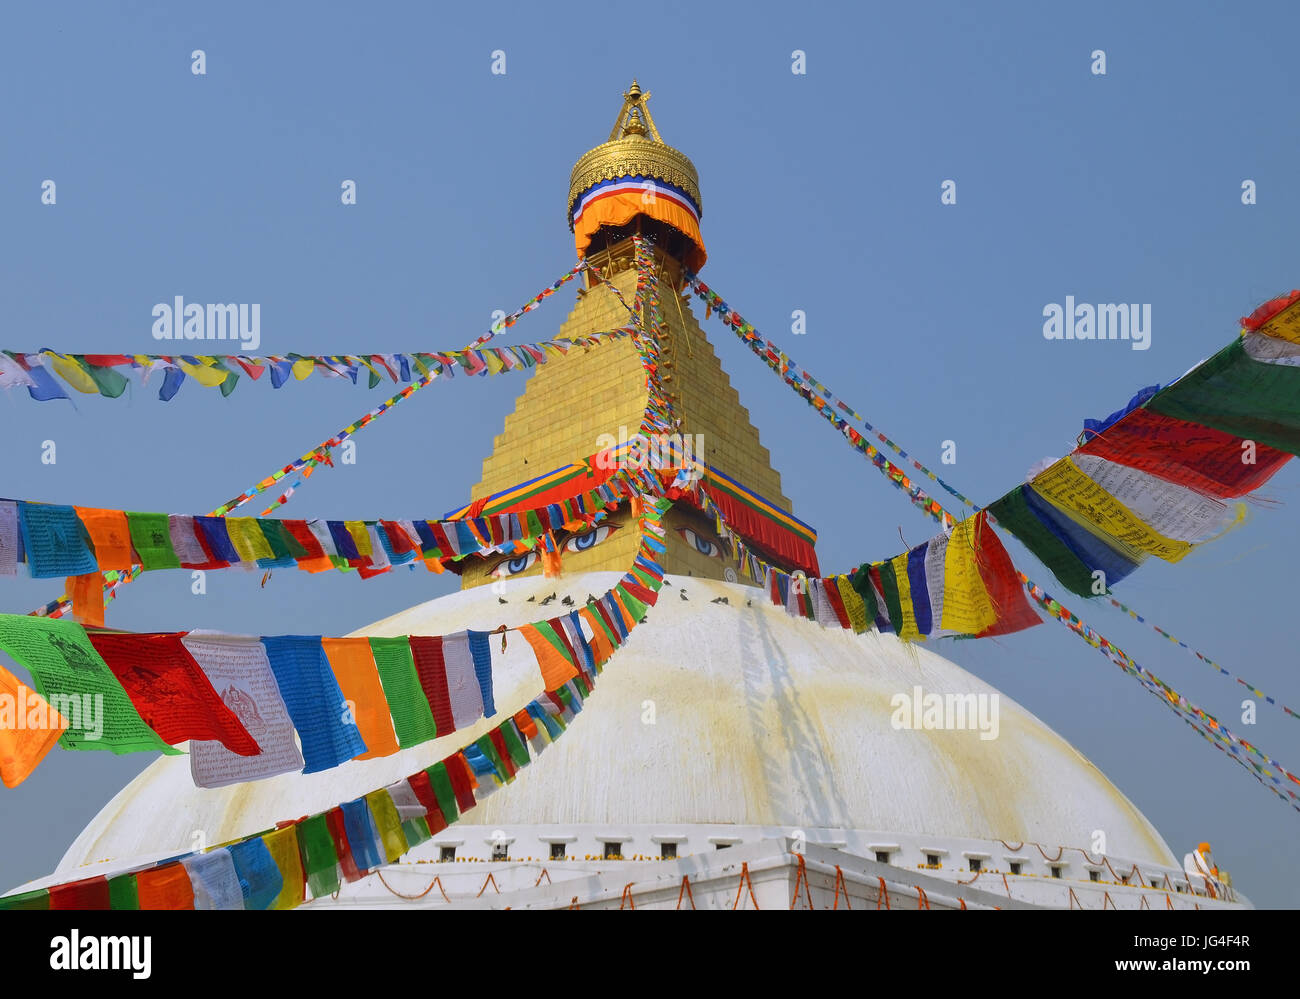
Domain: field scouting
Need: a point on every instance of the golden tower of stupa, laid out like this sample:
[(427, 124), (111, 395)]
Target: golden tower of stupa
[(570, 403)]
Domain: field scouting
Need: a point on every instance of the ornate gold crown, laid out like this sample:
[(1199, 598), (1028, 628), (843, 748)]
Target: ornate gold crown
[(634, 149)]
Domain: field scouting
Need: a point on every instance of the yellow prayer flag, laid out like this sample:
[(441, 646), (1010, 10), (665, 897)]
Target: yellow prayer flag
[(854, 605), (73, 373), (203, 374), (303, 367), (1066, 485), (906, 629), (357, 528), (388, 822), (1285, 325), (247, 537), (967, 608), (283, 847)]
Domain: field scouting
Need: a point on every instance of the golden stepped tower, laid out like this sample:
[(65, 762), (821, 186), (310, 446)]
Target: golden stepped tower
[(569, 403)]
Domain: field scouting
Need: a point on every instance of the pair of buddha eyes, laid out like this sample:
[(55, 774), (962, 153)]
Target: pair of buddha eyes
[(577, 543), (588, 539)]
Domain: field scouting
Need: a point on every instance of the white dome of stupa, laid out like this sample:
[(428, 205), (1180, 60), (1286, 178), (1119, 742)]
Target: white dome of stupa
[(714, 714)]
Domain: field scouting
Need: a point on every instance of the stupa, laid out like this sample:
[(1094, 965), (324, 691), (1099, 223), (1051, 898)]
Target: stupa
[(733, 756)]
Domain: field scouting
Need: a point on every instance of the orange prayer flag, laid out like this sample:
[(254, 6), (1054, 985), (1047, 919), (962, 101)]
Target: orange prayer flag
[(526, 724), (110, 535), (354, 668), (29, 728), (87, 593), (165, 888), (628, 619), (556, 668)]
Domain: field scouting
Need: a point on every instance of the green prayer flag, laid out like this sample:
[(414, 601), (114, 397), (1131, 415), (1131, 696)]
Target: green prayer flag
[(635, 607), (416, 831), (893, 600), (515, 745), (283, 544), (151, 537), (28, 901), (860, 580), (68, 672), (1235, 393), (110, 382), (412, 717), (1014, 514), (122, 892), (319, 858), (440, 781)]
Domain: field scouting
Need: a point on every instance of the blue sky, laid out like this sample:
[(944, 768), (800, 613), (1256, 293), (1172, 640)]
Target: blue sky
[(820, 192)]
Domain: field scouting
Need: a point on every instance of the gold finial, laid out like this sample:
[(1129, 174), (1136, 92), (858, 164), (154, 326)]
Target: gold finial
[(634, 117)]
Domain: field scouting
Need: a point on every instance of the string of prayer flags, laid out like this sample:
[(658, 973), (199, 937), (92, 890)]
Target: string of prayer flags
[(98, 373), (318, 852), (64, 541), (307, 462), (245, 703), (958, 584), (824, 401), (1204, 658), (1265, 768)]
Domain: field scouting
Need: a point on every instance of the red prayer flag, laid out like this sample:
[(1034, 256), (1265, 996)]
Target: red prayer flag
[(432, 671), (424, 792), (461, 781), (89, 894), (1002, 581), (338, 833), (170, 690)]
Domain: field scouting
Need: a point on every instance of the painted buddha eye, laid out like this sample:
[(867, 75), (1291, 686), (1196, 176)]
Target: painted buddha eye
[(702, 545), (588, 539), (514, 566)]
